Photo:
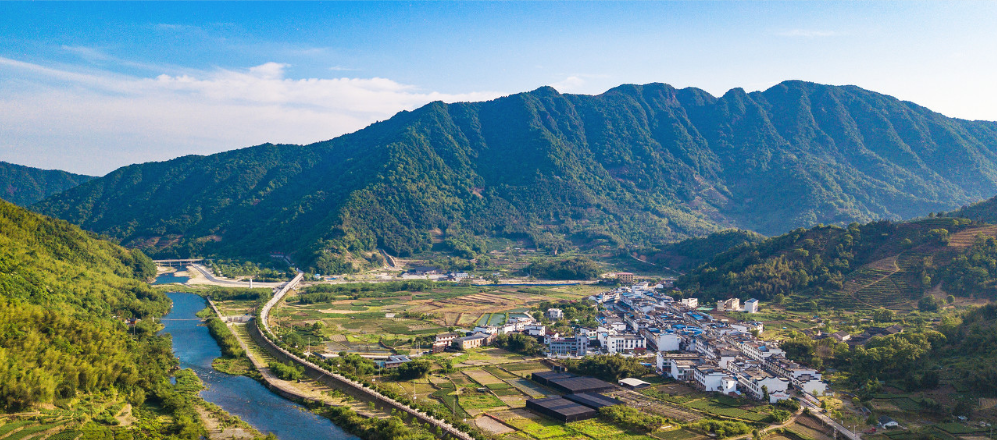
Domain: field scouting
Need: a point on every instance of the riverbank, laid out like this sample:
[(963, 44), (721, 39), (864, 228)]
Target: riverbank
[(239, 396)]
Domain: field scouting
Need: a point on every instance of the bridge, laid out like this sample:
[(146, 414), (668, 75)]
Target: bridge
[(179, 263)]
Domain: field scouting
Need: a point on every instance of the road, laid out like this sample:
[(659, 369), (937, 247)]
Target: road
[(210, 278)]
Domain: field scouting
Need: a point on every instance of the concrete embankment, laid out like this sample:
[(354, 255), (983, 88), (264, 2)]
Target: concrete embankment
[(353, 389)]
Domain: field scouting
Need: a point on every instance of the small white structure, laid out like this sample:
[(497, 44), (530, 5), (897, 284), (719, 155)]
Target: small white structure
[(633, 383), (887, 422), (751, 306), (691, 303), (554, 314)]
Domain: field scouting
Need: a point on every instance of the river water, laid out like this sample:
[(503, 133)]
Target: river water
[(169, 278), (239, 395)]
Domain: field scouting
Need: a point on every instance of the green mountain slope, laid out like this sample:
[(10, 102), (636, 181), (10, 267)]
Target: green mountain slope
[(24, 186), (984, 211), (62, 296), (635, 166), (878, 264)]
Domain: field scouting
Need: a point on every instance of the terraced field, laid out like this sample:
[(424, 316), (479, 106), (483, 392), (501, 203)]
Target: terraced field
[(965, 239), (56, 428)]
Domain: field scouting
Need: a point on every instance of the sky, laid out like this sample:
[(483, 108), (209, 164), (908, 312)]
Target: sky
[(90, 87)]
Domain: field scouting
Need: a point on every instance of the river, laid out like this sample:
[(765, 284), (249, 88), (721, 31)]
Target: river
[(239, 395), (170, 278)]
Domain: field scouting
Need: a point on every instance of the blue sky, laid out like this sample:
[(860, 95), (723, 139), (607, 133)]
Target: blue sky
[(91, 87)]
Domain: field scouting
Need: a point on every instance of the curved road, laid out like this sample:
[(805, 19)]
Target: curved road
[(211, 278)]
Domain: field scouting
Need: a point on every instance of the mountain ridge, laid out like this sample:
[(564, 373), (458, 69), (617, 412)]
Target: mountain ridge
[(635, 166), (23, 185)]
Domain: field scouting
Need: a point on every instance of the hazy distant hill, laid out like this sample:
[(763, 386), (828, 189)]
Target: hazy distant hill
[(635, 166), (23, 185)]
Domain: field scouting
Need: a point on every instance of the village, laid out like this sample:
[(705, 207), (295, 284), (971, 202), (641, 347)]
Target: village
[(686, 343)]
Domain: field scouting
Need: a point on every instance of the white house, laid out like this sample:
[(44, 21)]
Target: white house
[(812, 385), (751, 306), (490, 329), (568, 347), (668, 341), (756, 381), (691, 303), (535, 330), (554, 314), (624, 343), (730, 305), (712, 379)]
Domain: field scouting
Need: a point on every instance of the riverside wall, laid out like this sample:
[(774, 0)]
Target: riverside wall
[(350, 387)]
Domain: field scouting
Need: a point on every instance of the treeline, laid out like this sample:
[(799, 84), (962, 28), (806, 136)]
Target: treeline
[(610, 368), (519, 343), (330, 292), (973, 273), (287, 371), (574, 268), (226, 340), (235, 269)]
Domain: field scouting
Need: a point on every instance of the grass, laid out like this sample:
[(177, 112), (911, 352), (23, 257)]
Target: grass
[(66, 435), (956, 428), (13, 425), (525, 366), (31, 431), (479, 401), (720, 409), (676, 434), (595, 428)]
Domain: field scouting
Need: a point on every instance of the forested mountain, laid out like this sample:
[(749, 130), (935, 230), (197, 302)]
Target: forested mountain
[(878, 264), (985, 211), (691, 252), (633, 167), (63, 298), (23, 185)]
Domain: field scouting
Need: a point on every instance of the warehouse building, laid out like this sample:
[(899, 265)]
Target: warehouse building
[(561, 409), (593, 400)]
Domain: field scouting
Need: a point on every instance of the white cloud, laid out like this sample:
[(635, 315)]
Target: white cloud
[(94, 122), (569, 84)]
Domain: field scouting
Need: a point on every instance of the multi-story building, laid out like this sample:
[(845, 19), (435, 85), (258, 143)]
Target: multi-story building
[(751, 306), (624, 343), (729, 305), (443, 340), (714, 379), (625, 277), (576, 346), (757, 382), (554, 314)]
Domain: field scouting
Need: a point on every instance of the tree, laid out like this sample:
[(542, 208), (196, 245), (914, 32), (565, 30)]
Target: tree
[(413, 369), (884, 315)]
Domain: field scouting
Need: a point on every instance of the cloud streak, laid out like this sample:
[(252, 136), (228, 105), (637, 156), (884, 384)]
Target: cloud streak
[(95, 121)]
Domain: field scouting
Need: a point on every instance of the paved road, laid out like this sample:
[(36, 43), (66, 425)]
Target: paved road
[(211, 279)]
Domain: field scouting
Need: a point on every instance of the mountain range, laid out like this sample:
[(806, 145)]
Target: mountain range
[(23, 185), (636, 166)]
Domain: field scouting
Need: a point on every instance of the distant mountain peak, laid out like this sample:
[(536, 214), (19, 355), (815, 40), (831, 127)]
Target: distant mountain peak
[(635, 166)]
